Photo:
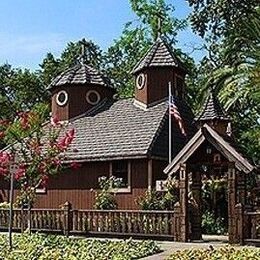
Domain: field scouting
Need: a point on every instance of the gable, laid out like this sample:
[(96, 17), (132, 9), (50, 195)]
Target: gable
[(225, 148)]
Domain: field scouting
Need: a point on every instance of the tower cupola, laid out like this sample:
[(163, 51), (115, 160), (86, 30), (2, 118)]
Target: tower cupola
[(78, 89), (154, 71), (214, 115)]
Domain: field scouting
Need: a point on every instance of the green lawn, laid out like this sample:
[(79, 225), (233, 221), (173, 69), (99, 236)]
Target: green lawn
[(224, 253), (50, 247)]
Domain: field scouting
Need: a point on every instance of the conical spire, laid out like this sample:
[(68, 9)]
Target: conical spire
[(212, 109), (80, 73), (159, 55)]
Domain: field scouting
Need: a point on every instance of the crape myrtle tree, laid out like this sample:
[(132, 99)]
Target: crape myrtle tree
[(36, 147)]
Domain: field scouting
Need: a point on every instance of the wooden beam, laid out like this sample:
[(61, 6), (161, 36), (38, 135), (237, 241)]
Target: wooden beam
[(150, 174)]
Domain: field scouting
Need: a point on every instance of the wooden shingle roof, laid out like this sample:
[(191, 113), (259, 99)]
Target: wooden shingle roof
[(212, 109), (119, 129), (80, 74), (159, 55)]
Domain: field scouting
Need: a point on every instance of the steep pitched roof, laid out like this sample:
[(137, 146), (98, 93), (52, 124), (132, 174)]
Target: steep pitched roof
[(80, 74), (119, 130), (212, 109), (159, 55), (224, 147)]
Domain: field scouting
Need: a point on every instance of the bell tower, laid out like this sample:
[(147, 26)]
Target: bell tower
[(214, 115), (154, 71), (78, 89)]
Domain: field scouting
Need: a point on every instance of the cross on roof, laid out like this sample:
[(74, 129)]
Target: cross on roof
[(84, 45), (160, 18)]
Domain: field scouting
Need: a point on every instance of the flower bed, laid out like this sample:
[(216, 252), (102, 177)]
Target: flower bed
[(49, 247), (224, 253)]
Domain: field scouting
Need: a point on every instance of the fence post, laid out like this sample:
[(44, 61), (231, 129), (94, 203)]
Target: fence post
[(239, 216), (67, 218), (176, 221), (22, 220)]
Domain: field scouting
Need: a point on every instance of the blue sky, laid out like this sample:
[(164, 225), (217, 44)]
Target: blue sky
[(31, 28)]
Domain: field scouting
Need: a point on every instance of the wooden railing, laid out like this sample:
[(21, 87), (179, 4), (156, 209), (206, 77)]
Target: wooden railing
[(136, 223), (124, 222), (40, 219), (252, 224)]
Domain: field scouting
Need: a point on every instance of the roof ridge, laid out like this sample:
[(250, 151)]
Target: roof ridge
[(91, 110)]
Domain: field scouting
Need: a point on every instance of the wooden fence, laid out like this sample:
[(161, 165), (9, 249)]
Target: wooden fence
[(135, 223), (252, 226)]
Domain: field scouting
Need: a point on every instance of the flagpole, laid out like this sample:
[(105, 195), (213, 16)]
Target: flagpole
[(170, 123)]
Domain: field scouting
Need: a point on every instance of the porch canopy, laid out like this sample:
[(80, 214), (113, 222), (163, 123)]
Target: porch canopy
[(225, 147), (193, 160)]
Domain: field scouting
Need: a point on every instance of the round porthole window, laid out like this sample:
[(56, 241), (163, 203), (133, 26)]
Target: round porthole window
[(93, 97), (140, 81), (62, 98)]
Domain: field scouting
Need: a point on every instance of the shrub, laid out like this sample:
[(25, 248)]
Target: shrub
[(49, 247), (163, 200), (154, 200), (150, 201), (210, 225), (223, 253), (105, 198)]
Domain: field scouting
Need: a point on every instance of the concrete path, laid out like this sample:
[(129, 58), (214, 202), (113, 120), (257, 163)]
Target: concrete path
[(170, 247)]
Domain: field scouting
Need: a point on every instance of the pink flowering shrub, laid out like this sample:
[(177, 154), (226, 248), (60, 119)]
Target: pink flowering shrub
[(38, 147)]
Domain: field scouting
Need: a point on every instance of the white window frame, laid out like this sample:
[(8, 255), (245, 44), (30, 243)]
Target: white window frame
[(143, 79), (129, 170), (59, 103), (93, 92)]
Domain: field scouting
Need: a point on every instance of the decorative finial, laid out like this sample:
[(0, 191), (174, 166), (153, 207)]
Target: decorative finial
[(160, 18), (159, 33), (82, 56), (211, 87)]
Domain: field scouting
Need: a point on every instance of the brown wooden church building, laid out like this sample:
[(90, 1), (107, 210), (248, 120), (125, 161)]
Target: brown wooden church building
[(128, 138)]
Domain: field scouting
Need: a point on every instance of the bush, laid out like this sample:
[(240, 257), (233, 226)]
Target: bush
[(105, 198), (163, 200), (49, 247), (223, 253), (150, 201), (212, 226)]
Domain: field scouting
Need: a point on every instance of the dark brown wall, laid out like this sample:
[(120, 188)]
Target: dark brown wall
[(76, 186), (157, 84), (77, 103), (158, 174)]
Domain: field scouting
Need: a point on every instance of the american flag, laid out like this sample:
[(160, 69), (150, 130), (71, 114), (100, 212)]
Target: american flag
[(175, 112)]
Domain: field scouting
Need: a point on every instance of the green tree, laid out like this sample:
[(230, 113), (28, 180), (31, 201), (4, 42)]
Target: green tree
[(19, 90), (51, 66), (137, 37), (231, 32)]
